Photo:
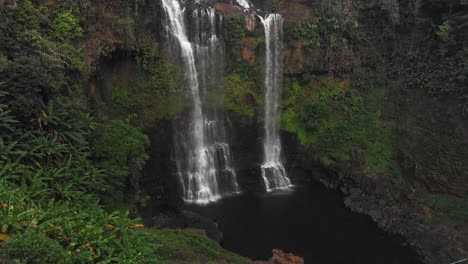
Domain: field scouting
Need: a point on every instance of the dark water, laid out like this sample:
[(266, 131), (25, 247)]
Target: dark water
[(309, 221)]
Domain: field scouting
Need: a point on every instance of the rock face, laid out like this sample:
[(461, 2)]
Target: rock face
[(227, 9), (397, 209), (398, 213), (279, 257)]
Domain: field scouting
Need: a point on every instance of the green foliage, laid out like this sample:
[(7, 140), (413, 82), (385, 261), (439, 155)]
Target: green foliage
[(123, 99), (428, 136), (189, 246), (333, 121), (50, 163), (66, 27), (3, 62), (52, 179), (316, 32), (26, 79), (154, 91), (28, 15), (120, 142), (446, 207), (118, 146), (28, 25), (34, 248), (444, 31), (235, 28), (438, 76), (239, 96), (88, 234), (49, 193), (72, 58), (147, 54), (162, 77)]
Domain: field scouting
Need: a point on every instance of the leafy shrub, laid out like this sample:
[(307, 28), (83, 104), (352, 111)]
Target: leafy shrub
[(33, 248), (189, 247), (235, 28), (26, 80), (117, 146), (239, 96), (88, 233), (120, 142), (334, 121), (444, 31), (66, 27)]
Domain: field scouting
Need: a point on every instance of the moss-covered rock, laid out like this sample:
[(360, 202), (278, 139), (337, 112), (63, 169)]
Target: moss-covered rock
[(185, 246)]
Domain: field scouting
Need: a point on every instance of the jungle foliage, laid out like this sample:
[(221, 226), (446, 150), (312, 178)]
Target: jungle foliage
[(339, 124), (52, 177)]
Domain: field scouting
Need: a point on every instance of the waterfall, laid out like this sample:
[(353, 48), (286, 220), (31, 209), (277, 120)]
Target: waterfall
[(273, 171), (244, 3), (203, 159)]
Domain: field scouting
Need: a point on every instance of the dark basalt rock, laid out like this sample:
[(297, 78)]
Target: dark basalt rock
[(397, 214)]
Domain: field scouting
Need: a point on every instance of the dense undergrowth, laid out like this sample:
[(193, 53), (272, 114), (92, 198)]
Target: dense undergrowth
[(68, 163), (369, 97), (372, 88)]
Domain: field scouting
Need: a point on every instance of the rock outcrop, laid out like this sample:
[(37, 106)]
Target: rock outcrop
[(280, 257)]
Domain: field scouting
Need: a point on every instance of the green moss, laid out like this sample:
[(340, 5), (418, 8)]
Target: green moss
[(34, 248), (117, 147), (334, 121), (239, 95), (154, 92), (190, 246), (235, 28)]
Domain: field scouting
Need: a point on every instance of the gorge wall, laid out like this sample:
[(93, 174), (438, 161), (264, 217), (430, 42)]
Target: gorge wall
[(374, 94)]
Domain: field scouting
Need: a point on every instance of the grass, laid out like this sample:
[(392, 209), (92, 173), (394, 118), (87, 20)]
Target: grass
[(192, 246)]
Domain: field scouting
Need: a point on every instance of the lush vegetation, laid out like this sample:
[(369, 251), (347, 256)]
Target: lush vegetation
[(66, 159), (70, 154), (192, 246), (339, 124)]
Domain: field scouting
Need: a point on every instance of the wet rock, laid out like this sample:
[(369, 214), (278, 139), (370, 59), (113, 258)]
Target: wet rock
[(398, 211), (250, 22), (295, 11), (227, 9), (248, 49)]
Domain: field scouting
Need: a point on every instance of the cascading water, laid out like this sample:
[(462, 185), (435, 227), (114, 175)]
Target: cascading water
[(244, 3), (273, 171), (203, 159)]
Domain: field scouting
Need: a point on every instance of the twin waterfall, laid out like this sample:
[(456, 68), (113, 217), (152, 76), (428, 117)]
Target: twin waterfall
[(273, 171), (203, 157), (202, 154)]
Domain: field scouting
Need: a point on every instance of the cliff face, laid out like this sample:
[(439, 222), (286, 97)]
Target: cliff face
[(374, 92)]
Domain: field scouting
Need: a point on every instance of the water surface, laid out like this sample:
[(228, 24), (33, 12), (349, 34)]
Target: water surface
[(309, 221)]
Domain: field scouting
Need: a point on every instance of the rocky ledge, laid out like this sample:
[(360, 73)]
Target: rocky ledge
[(399, 213)]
